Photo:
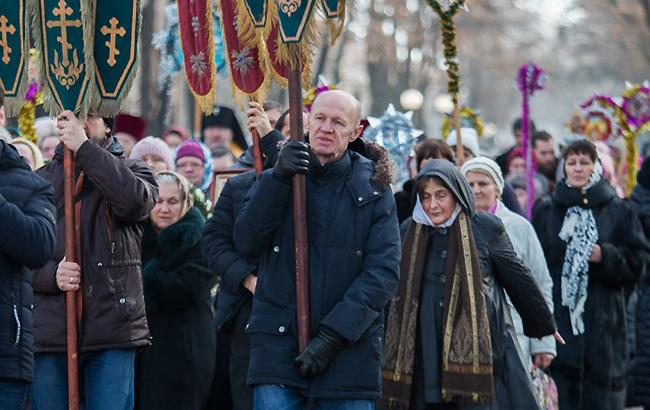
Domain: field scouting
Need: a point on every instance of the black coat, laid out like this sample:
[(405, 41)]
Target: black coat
[(176, 371), (27, 240), (600, 354), (353, 250), (220, 253), (638, 391)]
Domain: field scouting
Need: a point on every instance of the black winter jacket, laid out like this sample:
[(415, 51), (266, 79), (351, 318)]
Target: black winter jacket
[(353, 252), (638, 391), (600, 354), (27, 240), (217, 244)]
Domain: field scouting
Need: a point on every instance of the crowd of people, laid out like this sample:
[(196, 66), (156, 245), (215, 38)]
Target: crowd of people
[(441, 295)]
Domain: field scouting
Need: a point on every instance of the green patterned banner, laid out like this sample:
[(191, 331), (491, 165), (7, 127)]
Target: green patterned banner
[(334, 8), (117, 29), (67, 59), (294, 17), (13, 53), (258, 10)]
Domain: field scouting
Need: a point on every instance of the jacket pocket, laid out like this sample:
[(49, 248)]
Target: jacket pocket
[(270, 319)]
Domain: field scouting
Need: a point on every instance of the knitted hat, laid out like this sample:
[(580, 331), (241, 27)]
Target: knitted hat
[(190, 148), (130, 124), (486, 166), (153, 146), (643, 176), (469, 139)]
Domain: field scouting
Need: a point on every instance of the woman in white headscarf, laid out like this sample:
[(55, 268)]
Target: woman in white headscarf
[(595, 250), (485, 179)]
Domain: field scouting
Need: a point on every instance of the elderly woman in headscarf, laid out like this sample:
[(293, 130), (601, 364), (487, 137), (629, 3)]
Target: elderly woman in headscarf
[(485, 179), (176, 371), (595, 250), (450, 342)]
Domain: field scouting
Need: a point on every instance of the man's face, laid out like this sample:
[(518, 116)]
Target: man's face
[(222, 163), (126, 141), (95, 127), (333, 124), (173, 140), (517, 135), (214, 136), (545, 154), (191, 168), (48, 147)]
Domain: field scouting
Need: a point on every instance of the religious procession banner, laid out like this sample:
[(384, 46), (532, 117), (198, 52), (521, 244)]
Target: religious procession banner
[(64, 33), (13, 53), (248, 71), (116, 30), (195, 26), (258, 11), (335, 13)]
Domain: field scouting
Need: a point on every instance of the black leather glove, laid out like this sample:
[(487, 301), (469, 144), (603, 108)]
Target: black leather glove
[(293, 159), (319, 352)]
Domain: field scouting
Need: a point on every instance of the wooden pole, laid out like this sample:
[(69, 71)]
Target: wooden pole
[(460, 155), (70, 296), (257, 152), (299, 213)]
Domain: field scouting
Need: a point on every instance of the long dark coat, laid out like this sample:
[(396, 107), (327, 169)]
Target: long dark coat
[(638, 390), (599, 356), (176, 371), (354, 251), (27, 238)]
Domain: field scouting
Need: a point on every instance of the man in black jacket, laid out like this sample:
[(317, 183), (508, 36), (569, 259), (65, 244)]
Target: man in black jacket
[(237, 272), (354, 252), (26, 242)]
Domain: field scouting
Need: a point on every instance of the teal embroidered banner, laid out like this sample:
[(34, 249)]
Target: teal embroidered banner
[(294, 17), (13, 53)]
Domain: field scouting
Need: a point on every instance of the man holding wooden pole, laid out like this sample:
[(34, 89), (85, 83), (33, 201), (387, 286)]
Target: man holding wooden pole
[(114, 196), (354, 248)]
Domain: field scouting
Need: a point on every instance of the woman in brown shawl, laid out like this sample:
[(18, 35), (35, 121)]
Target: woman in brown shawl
[(450, 341)]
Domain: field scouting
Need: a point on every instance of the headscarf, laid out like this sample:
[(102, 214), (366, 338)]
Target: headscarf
[(183, 185), (36, 152), (580, 232), (486, 166), (453, 180)]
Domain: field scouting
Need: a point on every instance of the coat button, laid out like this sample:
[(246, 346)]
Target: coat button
[(99, 265), (358, 252), (276, 249), (443, 231), (442, 304), (248, 325), (360, 199), (443, 253), (585, 201), (375, 193), (282, 329), (122, 301), (31, 307)]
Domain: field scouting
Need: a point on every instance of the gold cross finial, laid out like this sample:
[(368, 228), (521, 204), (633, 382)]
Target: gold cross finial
[(4, 41), (63, 11), (112, 32)]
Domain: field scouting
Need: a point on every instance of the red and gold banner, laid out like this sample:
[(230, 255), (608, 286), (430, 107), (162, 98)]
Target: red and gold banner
[(248, 69), (195, 26)]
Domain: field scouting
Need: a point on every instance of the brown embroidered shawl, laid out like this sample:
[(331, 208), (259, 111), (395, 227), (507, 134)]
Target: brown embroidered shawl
[(467, 348)]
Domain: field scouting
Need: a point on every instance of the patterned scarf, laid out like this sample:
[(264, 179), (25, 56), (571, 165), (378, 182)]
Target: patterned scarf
[(580, 233), (466, 348)]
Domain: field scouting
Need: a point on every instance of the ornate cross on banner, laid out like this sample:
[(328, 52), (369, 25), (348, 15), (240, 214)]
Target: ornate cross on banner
[(112, 32), (4, 41), (63, 11)]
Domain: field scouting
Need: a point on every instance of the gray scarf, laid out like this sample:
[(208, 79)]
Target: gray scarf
[(580, 233)]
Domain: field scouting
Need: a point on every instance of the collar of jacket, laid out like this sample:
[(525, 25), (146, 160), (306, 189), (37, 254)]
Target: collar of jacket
[(111, 144), (182, 235), (332, 171), (361, 183), (594, 197), (9, 157)]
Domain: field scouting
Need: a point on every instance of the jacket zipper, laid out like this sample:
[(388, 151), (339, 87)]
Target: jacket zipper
[(18, 325)]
